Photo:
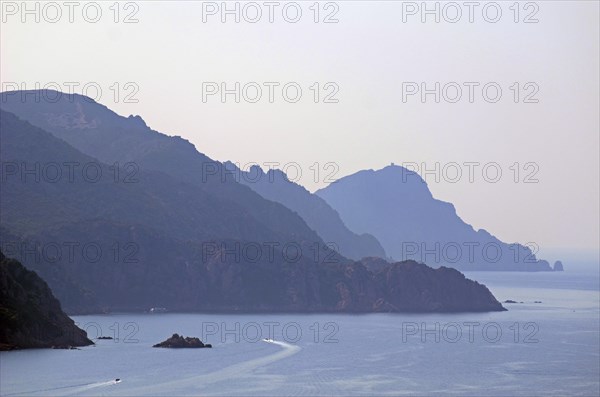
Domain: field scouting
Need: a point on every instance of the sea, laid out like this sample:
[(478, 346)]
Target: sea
[(546, 344)]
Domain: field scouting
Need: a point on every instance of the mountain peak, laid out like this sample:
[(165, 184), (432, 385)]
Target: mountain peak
[(395, 205), (402, 171), (137, 120), (45, 95)]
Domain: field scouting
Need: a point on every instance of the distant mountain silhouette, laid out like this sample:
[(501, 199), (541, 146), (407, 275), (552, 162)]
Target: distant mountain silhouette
[(152, 232), (160, 224), (274, 185), (100, 133), (395, 205)]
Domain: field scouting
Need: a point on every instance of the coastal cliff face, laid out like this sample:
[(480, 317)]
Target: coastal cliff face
[(177, 276), (177, 241), (30, 316), (413, 286), (410, 287)]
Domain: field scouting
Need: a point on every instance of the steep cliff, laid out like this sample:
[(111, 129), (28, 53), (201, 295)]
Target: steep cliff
[(30, 316)]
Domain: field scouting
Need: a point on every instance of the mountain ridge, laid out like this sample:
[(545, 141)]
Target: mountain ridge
[(412, 224), (172, 267), (274, 185)]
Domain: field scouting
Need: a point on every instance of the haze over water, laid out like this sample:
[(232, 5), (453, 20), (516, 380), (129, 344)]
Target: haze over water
[(555, 350)]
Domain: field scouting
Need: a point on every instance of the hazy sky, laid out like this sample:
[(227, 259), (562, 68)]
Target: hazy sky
[(368, 56)]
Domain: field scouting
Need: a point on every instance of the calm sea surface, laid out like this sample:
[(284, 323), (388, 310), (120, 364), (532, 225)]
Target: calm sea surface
[(548, 348)]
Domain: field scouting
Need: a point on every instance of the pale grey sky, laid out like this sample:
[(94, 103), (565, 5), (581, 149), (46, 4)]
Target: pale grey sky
[(368, 54)]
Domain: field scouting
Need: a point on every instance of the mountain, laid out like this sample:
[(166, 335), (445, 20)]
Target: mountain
[(395, 205), (275, 186), (406, 286), (228, 208), (160, 240), (156, 241), (30, 316), (65, 185)]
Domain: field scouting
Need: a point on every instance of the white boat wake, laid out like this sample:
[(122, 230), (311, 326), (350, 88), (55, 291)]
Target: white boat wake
[(92, 386), (250, 365), (242, 369), (68, 390)]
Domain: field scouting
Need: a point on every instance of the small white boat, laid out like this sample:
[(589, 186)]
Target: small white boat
[(268, 340)]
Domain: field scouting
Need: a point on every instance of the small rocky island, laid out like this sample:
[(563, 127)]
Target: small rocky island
[(178, 341), (30, 316), (558, 266)]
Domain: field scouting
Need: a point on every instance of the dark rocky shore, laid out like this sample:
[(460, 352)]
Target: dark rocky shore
[(30, 316)]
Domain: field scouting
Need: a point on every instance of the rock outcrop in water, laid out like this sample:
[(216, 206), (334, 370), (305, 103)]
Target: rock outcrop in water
[(558, 266), (178, 341), (30, 316)]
